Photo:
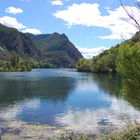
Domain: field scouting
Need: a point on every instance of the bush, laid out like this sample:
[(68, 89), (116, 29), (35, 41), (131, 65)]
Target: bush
[(128, 63), (83, 65), (131, 132)]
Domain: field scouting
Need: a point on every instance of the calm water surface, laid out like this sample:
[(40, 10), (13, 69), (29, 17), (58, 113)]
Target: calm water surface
[(64, 97)]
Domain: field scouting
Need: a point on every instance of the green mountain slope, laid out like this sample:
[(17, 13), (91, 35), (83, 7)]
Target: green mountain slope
[(106, 61), (11, 40), (57, 48)]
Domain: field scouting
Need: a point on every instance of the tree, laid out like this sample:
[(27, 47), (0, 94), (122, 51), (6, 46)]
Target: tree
[(14, 60), (105, 62), (128, 63), (23, 68), (83, 65), (131, 93), (133, 17)]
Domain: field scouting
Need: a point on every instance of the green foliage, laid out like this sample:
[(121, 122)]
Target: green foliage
[(19, 64), (131, 93), (83, 65), (57, 48), (105, 62), (2, 63), (60, 58), (23, 68), (131, 132), (14, 60), (134, 40), (123, 58), (128, 63), (75, 136), (15, 64), (11, 40)]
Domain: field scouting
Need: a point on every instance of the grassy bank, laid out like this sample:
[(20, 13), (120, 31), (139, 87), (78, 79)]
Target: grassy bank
[(129, 132), (21, 131)]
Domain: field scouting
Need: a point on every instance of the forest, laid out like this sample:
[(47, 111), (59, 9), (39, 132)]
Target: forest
[(122, 59)]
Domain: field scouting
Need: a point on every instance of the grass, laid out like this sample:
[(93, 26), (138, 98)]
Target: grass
[(129, 132), (43, 132)]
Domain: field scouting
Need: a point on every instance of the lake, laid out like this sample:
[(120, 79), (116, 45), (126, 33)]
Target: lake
[(66, 98)]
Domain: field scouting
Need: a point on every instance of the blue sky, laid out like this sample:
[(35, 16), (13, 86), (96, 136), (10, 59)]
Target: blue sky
[(91, 25)]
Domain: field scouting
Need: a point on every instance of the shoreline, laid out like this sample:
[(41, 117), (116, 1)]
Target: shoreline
[(18, 130)]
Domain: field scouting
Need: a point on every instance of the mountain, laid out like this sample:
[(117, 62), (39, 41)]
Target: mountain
[(11, 40), (57, 48)]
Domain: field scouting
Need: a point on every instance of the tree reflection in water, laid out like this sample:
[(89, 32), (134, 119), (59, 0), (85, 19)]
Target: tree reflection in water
[(131, 92)]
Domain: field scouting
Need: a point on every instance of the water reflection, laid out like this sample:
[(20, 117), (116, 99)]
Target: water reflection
[(67, 98), (131, 93), (92, 105), (110, 83), (115, 115), (49, 88)]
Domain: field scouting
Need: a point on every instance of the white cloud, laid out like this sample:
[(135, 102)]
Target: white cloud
[(32, 30), (32, 103), (114, 115), (11, 22), (13, 10), (88, 14), (57, 2), (90, 52), (10, 113), (79, 14)]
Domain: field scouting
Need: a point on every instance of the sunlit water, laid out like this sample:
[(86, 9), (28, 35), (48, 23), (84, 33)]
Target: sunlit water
[(64, 97)]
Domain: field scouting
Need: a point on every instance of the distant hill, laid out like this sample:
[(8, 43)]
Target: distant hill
[(11, 40), (57, 48), (53, 48)]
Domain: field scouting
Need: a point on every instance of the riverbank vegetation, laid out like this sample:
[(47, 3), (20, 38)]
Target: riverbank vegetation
[(122, 59), (40, 51), (15, 64), (21, 131), (128, 63), (102, 63), (129, 132), (18, 64)]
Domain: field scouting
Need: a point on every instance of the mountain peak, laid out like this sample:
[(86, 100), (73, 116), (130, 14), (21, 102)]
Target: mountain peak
[(13, 40), (55, 48)]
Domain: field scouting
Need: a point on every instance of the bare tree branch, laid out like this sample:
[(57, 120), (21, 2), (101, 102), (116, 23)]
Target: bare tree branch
[(131, 15)]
